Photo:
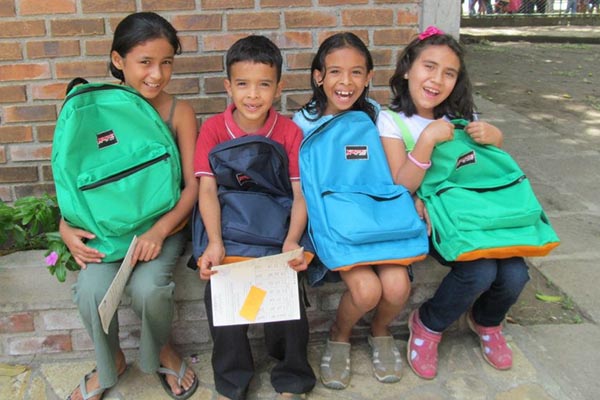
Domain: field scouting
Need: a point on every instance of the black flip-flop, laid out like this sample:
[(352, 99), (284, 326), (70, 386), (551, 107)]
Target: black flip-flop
[(162, 373)]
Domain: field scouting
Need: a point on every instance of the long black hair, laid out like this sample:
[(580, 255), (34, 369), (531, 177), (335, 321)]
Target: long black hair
[(460, 101), (138, 28), (318, 103)]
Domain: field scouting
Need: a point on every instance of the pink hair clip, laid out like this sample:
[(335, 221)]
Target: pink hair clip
[(430, 31)]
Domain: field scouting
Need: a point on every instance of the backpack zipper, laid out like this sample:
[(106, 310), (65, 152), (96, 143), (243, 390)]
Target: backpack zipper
[(126, 173), (482, 190)]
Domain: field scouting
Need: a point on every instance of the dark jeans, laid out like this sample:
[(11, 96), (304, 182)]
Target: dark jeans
[(490, 287), (233, 365)]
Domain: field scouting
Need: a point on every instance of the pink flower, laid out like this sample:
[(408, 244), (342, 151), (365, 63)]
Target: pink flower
[(430, 31), (52, 258)]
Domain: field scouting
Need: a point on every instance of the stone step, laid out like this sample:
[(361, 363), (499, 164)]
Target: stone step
[(38, 317)]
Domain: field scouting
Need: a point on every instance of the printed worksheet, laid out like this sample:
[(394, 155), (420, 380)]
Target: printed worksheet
[(109, 304), (256, 291)]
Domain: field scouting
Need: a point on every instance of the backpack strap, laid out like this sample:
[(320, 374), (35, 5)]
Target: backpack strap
[(409, 141)]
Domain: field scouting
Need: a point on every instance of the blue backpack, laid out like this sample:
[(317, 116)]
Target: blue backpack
[(356, 214), (255, 195), (115, 163)]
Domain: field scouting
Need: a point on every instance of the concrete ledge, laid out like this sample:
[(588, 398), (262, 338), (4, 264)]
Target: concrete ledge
[(38, 319)]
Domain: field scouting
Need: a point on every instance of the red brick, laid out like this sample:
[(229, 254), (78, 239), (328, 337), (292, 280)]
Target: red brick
[(82, 68), (22, 72), (7, 8), (382, 76), (106, 6), (16, 134), (98, 47), (367, 17), (179, 86), (15, 29), (253, 21), (296, 81), (10, 51), (12, 94), (189, 44), (5, 192), (309, 19), (52, 91), (16, 175), (77, 27), (341, 2), (158, 5), (382, 96), (37, 7), (198, 22), (406, 17), (16, 323), (292, 40), (393, 37), (382, 57), (214, 85), (53, 48), (209, 105), (35, 189), (29, 113), (220, 42), (395, 1), (285, 3), (297, 100), (226, 4), (362, 35), (45, 344), (299, 60), (2, 154), (33, 152), (47, 175), (45, 133), (197, 65)]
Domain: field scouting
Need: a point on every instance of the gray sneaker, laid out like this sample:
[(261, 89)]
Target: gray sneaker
[(387, 363), (335, 365)]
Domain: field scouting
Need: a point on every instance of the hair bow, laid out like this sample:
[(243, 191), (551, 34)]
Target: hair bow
[(430, 31)]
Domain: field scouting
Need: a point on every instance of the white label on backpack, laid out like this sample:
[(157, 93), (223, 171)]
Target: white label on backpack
[(357, 152), (105, 139)]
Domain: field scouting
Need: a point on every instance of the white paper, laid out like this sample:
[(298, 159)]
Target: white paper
[(231, 285), (112, 298)]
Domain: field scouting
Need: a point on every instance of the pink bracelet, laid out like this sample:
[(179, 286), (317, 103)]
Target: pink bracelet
[(419, 164)]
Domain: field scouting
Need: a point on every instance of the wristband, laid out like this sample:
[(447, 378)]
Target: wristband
[(419, 164)]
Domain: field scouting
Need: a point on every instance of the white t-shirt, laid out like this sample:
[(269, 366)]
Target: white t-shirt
[(388, 127)]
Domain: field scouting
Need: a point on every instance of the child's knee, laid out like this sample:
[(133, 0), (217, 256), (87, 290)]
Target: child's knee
[(366, 295)]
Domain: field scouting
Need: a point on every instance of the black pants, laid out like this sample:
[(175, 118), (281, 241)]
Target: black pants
[(233, 365)]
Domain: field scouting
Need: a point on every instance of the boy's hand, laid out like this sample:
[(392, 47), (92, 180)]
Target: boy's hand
[(439, 131), (299, 263), (422, 212), (484, 133), (148, 246), (212, 256)]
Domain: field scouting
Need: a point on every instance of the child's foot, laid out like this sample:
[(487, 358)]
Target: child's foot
[(178, 380), (493, 344), (387, 364), (89, 387), (422, 347), (335, 365)]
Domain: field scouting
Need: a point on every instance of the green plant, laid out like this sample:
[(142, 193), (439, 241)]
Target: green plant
[(32, 223)]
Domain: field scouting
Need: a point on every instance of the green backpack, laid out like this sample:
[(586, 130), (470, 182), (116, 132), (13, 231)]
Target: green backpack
[(115, 163), (481, 204)]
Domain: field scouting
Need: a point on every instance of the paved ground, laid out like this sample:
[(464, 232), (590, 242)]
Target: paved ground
[(558, 361)]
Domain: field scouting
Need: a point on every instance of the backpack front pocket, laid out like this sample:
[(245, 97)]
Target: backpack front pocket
[(369, 216), (254, 218), (127, 192), (509, 206)]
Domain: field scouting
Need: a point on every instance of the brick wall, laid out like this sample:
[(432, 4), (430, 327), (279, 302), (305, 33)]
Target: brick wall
[(44, 44)]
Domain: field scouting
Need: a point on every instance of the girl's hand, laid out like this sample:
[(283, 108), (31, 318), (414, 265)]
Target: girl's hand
[(299, 263), (422, 212), (212, 256), (484, 133), (439, 131), (75, 241), (148, 246)]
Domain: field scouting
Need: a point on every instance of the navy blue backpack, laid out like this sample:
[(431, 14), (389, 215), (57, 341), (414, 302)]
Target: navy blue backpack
[(356, 214), (255, 194)]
